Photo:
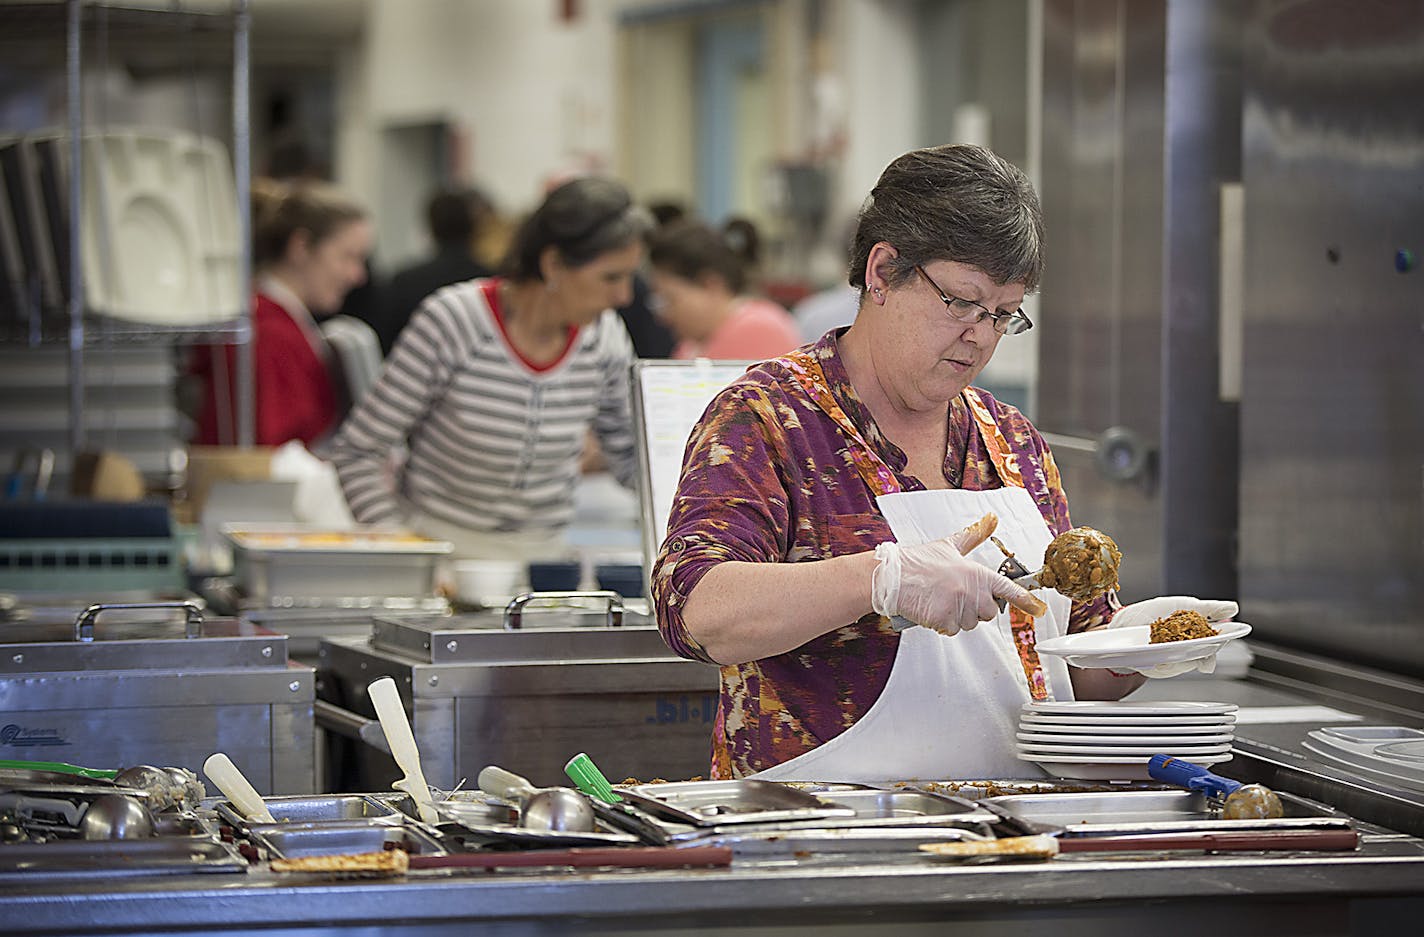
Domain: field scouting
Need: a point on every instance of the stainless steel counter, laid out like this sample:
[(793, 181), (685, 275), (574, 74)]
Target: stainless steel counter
[(1377, 889), (1232, 894)]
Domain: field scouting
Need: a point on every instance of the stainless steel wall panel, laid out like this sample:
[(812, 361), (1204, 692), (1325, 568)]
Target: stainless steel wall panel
[(1332, 486), (1141, 105)]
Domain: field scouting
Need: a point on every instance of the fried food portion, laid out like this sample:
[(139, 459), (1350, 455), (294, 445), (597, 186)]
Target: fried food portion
[(389, 862), (1081, 563), (1181, 625)]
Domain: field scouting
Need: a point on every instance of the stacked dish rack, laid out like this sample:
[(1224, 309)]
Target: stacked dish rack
[(114, 236)]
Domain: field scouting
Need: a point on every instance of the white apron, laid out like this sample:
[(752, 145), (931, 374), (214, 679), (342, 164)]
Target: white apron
[(950, 708)]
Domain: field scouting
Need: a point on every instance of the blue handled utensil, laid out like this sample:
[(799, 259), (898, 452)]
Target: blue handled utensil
[(1240, 801)]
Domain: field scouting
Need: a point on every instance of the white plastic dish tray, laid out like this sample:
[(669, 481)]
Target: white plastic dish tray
[(159, 228)]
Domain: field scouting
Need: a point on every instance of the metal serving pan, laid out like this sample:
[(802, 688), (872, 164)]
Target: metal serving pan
[(340, 838), (476, 820), (1115, 812), (338, 808), (159, 855), (716, 803), (295, 565)]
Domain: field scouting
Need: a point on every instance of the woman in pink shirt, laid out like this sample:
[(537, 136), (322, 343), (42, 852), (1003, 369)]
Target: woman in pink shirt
[(700, 278)]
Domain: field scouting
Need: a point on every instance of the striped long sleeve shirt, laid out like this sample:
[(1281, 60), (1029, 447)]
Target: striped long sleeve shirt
[(493, 442)]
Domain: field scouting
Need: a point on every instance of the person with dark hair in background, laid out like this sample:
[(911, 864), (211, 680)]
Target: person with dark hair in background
[(454, 218), (310, 244), (780, 567), (700, 276), (494, 384)]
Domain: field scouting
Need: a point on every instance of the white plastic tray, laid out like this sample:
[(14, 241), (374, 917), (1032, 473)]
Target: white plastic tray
[(160, 229)]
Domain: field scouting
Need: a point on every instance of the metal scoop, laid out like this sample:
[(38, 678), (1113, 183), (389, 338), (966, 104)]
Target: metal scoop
[(558, 809), (1239, 801), (1067, 566), (116, 816)]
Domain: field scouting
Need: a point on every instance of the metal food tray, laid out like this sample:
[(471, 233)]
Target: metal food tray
[(717, 803), (296, 840), (985, 788), (314, 566), (807, 842), (471, 815), (321, 808), (1172, 811), (159, 855)]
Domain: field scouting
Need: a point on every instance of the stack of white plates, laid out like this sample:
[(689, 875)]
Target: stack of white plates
[(1115, 740)]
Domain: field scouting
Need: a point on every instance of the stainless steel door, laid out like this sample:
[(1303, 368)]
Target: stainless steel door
[(1332, 478)]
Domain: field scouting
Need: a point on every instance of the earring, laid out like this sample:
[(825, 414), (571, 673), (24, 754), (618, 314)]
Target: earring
[(878, 294)]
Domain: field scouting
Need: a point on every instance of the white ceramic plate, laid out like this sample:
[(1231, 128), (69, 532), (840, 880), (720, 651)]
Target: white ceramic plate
[(1131, 648), (1163, 742), (1117, 709), (1122, 751), (1192, 723), (1100, 729), (1106, 769)]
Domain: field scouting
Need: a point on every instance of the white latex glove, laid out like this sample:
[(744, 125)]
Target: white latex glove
[(934, 585), (1149, 610)]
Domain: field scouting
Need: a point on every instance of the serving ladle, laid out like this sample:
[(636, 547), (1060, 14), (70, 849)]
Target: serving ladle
[(558, 809), (116, 816)]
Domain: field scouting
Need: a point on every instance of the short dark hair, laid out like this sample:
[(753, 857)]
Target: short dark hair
[(689, 249), (583, 219), (956, 202), (454, 215)]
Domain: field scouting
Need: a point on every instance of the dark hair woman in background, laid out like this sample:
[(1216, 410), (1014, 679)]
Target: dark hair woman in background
[(702, 279), (494, 384)]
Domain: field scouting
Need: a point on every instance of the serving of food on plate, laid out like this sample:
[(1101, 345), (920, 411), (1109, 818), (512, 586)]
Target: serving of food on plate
[(1179, 637)]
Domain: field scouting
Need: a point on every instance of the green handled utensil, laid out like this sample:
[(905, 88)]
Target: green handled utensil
[(587, 778), (59, 767)]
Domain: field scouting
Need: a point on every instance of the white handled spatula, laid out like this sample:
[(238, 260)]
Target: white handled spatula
[(401, 740)]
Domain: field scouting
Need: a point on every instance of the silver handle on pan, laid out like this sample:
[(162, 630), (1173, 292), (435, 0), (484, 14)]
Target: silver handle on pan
[(352, 725), (84, 624), (514, 611)]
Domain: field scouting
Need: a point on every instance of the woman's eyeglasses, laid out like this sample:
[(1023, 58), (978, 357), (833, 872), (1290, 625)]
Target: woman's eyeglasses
[(965, 310)]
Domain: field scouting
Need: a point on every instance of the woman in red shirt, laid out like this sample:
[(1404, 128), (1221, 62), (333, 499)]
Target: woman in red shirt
[(310, 244)]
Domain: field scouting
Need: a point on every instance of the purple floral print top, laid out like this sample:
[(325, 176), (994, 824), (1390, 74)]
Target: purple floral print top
[(768, 477)]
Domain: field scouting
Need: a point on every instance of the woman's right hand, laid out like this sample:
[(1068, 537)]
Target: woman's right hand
[(933, 584)]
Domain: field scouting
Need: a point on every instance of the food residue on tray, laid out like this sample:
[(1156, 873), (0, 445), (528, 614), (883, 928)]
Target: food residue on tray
[(1181, 625)]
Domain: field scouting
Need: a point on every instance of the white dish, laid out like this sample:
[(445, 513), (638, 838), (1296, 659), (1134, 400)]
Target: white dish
[(1373, 735), (1407, 751), (1117, 709), (1122, 751), (159, 229), (1194, 723), (1106, 769), (1131, 648), (1162, 741), (1105, 727), (1377, 770)]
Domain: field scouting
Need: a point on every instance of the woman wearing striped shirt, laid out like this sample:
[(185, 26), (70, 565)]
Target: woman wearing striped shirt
[(494, 385)]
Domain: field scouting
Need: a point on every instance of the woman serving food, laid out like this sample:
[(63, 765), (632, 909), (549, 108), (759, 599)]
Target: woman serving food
[(779, 564)]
